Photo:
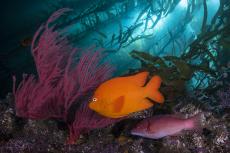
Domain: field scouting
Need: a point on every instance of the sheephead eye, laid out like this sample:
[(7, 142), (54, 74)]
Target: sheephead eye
[(94, 99)]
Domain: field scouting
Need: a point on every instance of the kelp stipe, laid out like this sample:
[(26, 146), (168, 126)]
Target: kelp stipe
[(61, 82)]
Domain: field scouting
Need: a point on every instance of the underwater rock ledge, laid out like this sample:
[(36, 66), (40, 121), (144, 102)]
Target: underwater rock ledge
[(21, 135)]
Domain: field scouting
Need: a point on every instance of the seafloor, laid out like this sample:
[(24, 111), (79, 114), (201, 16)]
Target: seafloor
[(18, 135)]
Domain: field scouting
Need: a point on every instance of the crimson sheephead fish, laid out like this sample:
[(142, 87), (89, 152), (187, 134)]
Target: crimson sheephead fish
[(161, 126)]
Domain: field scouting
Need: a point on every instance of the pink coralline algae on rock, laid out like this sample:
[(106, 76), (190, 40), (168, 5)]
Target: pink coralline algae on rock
[(64, 85), (224, 96)]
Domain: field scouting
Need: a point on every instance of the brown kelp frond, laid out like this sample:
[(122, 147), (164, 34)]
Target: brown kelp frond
[(174, 71)]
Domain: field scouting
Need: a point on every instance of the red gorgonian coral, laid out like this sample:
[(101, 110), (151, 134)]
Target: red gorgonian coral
[(64, 84)]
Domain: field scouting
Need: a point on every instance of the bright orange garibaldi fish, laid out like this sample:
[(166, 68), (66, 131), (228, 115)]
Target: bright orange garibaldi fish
[(122, 96)]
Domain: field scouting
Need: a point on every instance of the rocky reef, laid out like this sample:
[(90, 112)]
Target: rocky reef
[(48, 113), (25, 136)]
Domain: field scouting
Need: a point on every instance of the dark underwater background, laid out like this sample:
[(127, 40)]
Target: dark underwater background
[(186, 42)]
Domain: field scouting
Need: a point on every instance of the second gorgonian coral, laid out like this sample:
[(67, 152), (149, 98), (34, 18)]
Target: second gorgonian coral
[(64, 86)]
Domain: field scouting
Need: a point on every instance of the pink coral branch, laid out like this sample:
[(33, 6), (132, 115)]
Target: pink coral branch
[(91, 121), (35, 100), (62, 82), (51, 50), (86, 76)]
